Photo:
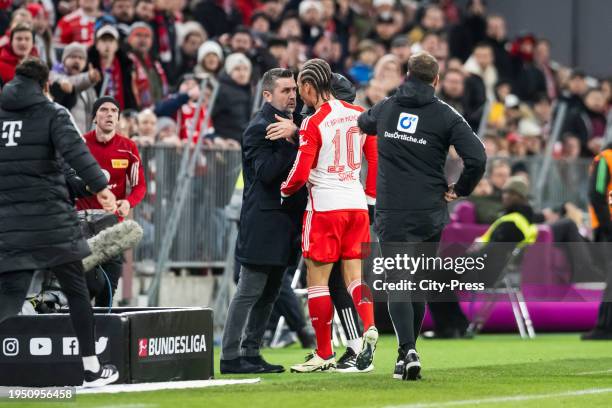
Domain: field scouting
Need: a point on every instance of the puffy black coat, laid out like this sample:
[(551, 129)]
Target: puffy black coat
[(269, 231), (232, 109), (38, 224)]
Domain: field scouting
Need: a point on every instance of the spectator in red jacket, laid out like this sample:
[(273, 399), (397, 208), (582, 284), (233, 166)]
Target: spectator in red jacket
[(20, 47), (119, 159)]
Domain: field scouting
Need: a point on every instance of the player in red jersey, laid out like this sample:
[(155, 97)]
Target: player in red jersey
[(120, 161), (336, 221)]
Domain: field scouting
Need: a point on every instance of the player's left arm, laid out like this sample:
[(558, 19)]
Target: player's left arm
[(137, 179), (370, 152), (310, 142)]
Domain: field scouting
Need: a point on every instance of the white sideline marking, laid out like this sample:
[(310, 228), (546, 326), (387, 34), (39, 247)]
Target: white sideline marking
[(506, 399), (595, 372), (171, 385)]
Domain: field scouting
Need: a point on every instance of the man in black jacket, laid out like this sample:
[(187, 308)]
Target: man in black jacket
[(39, 228), (269, 234), (415, 130)]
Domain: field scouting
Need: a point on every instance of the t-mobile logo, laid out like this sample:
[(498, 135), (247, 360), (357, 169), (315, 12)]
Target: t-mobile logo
[(143, 347), (11, 130)]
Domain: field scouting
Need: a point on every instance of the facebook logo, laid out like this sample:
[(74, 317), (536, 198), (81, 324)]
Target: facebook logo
[(407, 122), (70, 346)]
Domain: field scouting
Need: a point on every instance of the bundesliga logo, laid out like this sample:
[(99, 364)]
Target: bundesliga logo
[(143, 348), (159, 346)]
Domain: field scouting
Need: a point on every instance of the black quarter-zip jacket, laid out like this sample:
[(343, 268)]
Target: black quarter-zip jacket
[(415, 130)]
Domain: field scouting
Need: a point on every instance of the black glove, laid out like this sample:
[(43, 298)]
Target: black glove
[(371, 212)]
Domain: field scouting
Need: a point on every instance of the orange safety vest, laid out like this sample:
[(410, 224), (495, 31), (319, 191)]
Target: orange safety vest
[(607, 156)]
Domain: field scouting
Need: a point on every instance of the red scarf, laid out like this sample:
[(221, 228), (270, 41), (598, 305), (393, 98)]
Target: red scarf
[(115, 84), (143, 85), (165, 52), (185, 118)]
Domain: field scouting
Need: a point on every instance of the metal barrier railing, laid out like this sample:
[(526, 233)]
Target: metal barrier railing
[(202, 228), (202, 234)]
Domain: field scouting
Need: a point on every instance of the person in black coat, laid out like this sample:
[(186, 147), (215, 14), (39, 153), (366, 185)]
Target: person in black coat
[(39, 228), (269, 232), (232, 110), (415, 130)]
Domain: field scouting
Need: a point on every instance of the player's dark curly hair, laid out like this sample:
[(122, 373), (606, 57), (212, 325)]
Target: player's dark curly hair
[(317, 72)]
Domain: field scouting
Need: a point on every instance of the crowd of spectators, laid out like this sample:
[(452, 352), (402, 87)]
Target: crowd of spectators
[(152, 54)]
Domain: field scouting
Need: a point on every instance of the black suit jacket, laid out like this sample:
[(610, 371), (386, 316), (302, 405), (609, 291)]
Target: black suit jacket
[(269, 231)]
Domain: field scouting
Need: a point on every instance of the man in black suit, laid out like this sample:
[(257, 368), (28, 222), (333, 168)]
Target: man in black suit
[(269, 235)]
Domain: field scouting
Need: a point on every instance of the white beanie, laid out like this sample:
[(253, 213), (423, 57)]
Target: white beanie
[(235, 59), (189, 27), (308, 4), (207, 48)]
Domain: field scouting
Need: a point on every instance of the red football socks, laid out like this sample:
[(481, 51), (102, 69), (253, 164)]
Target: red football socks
[(362, 298), (321, 310)]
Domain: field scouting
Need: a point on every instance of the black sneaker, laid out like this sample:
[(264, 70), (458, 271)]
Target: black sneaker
[(239, 366), (408, 366), (267, 367), (366, 356), (348, 362), (107, 374), (398, 372)]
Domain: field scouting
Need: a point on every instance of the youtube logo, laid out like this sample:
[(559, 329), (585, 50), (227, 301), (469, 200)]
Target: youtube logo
[(40, 346), (143, 347)]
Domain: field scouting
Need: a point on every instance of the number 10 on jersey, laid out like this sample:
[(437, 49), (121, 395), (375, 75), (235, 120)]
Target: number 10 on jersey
[(349, 154)]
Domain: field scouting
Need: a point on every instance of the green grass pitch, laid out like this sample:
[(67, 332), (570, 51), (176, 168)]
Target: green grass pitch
[(550, 371)]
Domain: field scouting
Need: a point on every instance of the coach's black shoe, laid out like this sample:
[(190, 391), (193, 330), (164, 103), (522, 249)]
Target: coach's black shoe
[(412, 368), (597, 334), (408, 366), (239, 366), (267, 367), (107, 374)]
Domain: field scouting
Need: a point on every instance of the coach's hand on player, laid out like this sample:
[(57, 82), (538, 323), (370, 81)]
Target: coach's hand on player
[(283, 129), (107, 200), (451, 195), (123, 208)]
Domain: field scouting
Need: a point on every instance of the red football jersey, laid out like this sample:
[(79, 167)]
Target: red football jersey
[(120, 162), (329, 160)]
